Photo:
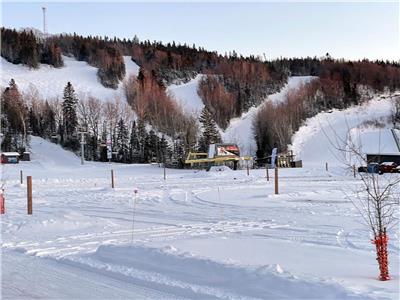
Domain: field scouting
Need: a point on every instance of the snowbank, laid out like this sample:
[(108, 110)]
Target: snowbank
[(208, 278)]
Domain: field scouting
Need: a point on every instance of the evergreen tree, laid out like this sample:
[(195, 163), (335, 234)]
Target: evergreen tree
[(134, 147), (162, 149), (48, 121), (142, 138), (152, 145), (179, 152), (210, 133), (69, 110), (14, 118), (122, 146)]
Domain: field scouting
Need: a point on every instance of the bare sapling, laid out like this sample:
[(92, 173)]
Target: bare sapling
[(376, 197)]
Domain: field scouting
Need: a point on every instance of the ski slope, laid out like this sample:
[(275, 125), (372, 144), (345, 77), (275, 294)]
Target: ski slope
[(184, 239), (240, 130), (50, 82), (318, 140), (186, 95)]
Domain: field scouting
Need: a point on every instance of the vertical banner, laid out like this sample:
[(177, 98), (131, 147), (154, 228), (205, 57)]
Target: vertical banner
[(109, 146), (273, 156)]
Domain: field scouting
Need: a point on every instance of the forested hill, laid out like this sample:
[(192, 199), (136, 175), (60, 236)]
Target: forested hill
[(230, 85)]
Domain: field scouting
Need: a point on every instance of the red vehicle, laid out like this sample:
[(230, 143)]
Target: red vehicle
[(387, 167)]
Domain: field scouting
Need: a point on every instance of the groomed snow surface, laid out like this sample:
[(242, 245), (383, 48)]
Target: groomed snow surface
[(317, 141), (240, 130), (188, 240), (50, 82)]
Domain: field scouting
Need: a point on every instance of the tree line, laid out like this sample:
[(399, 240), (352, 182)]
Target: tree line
[(63, 120), (24, 47), (231, 85)]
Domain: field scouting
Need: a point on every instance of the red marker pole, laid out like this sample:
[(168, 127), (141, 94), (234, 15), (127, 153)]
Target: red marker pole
[(276, 181), (2, 203)]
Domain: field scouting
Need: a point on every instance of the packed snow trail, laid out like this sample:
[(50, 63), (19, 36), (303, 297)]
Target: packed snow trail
[(26, 277)]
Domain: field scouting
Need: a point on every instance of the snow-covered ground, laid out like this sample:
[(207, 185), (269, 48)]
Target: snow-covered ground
[(50, 82), (187, 240), (240, 130), (186, 95), (316, 142)]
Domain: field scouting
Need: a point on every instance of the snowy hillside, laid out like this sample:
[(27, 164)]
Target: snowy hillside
[(186, 95), (240, 130), (50, 81), (184, 239), (312, 142)]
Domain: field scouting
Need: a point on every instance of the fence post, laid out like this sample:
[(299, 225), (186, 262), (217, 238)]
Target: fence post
[(326, 166), (247, 166), (112, 178), (29, 193), (21, 178), (354, 171), (266, 168), (276, 181)]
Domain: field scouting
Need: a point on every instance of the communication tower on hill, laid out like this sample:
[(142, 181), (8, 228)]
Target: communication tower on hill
[(44, 20)]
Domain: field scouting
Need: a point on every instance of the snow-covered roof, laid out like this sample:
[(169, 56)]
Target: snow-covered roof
[(10, 153)]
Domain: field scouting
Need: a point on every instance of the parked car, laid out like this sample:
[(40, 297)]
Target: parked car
[(373, 168), (397, 169), (387, 167), (362, 169)]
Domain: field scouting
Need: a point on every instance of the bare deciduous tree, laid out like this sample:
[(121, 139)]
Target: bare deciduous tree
[(376, 198)]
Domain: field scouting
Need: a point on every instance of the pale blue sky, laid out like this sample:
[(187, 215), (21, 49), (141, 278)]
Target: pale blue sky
[(349, 30)]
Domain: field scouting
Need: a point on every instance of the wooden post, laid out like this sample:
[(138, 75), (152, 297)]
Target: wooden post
[(248, 171), (326, 166), (165, 173), (276, 181), (29, 193), (112, 178), (21, 178), (354, 171), (266, 168)]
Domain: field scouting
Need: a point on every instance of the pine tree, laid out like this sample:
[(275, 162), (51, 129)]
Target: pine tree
[(134, 147), (152, 144), (69, 110), (48, 121), (162, 149), (14, 118), (142, 138), (210, 133), (179, 152), (122, 146)]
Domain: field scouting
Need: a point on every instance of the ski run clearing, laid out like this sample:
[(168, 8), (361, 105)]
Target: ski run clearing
[(187, 240), (196, 235), (50, 82)]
